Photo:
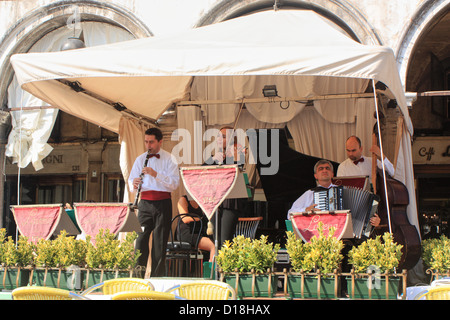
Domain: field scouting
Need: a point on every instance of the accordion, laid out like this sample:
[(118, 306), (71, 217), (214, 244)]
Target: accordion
[(361, 203)]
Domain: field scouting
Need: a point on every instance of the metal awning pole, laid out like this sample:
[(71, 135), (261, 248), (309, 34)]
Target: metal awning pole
[(382, 156)]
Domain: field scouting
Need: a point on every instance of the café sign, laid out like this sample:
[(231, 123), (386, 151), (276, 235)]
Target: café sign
[(431, 150)]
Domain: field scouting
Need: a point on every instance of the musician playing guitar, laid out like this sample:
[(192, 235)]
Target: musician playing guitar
[(156, 173)]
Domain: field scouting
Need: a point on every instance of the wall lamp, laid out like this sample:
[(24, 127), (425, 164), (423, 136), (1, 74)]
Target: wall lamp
[(72, 43), (270, 91)]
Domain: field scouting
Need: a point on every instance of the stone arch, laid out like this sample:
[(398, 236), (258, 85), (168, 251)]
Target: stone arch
[(340, 12), (39, 22), (420, 22)]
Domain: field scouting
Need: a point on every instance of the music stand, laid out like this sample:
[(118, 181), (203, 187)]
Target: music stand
[(41, 221), (237, 189), (361, 182), (116, 217), (305, 223)]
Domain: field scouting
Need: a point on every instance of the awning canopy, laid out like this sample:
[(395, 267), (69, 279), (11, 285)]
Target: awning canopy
[(299, 51), (147, 76)]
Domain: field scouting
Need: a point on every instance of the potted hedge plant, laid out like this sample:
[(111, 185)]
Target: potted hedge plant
[(374, 262), (315, 265), (436, 257), (246, 264), (16, 261), (58, 262), (109, 258)]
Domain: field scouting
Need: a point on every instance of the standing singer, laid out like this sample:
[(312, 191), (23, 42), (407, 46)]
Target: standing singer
[(228, 152), (155, 181)]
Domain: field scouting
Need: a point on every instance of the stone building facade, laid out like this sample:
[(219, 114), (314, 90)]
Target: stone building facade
[(84, 162)]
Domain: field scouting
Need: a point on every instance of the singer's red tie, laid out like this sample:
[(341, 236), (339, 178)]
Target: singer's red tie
[(360, 160), (155, 155)]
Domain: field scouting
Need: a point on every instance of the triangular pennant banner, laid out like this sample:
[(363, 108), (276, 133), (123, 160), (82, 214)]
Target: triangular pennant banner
[(305, 225), (42, 221), (209, 185), (91, 217)]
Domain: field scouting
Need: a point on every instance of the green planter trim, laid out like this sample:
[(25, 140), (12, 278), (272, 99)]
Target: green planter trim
[(251, 284), (94, 276), (14, 277), (312, 285), (358, 289), (62, 278)]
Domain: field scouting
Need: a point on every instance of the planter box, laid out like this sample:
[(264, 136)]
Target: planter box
[(11, 278), (312, 286), (359, 287), (95, 276), (209, 270), (62, 278), (251, 284)]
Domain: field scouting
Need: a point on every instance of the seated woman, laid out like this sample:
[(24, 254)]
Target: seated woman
[(191, 206)]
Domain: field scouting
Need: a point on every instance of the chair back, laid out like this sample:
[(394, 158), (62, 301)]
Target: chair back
[(441, 292), (204, 290), (175, 243), (44, 293), (247, 226), (143, 295), (127, 284), (113, 286)]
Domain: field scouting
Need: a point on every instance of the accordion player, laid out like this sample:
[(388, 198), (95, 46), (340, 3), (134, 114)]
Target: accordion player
[(361, 203)]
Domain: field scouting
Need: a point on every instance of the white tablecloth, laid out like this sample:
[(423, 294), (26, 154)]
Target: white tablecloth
[(412, 292)]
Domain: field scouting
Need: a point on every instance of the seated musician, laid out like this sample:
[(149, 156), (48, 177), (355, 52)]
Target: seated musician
[(192, 207), (358, 165), (323, 172)]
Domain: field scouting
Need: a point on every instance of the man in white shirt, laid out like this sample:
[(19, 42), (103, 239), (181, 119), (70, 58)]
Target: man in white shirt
[(323, 172), (358, 165), (159, 178)]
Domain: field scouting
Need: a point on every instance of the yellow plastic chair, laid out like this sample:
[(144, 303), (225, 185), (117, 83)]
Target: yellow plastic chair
[(113, 286), (45, 293), (436, 293), (204, 290), (145, 295)]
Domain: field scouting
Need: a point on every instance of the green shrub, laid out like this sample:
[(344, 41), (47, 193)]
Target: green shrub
[(108, 252), (322, 253), (381, 252), (245, 255), (436, 254), (20, 254)]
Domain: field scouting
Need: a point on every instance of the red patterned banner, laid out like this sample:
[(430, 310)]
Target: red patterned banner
[(209, 185), (305, 225), (37, 222), (91, 217)]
